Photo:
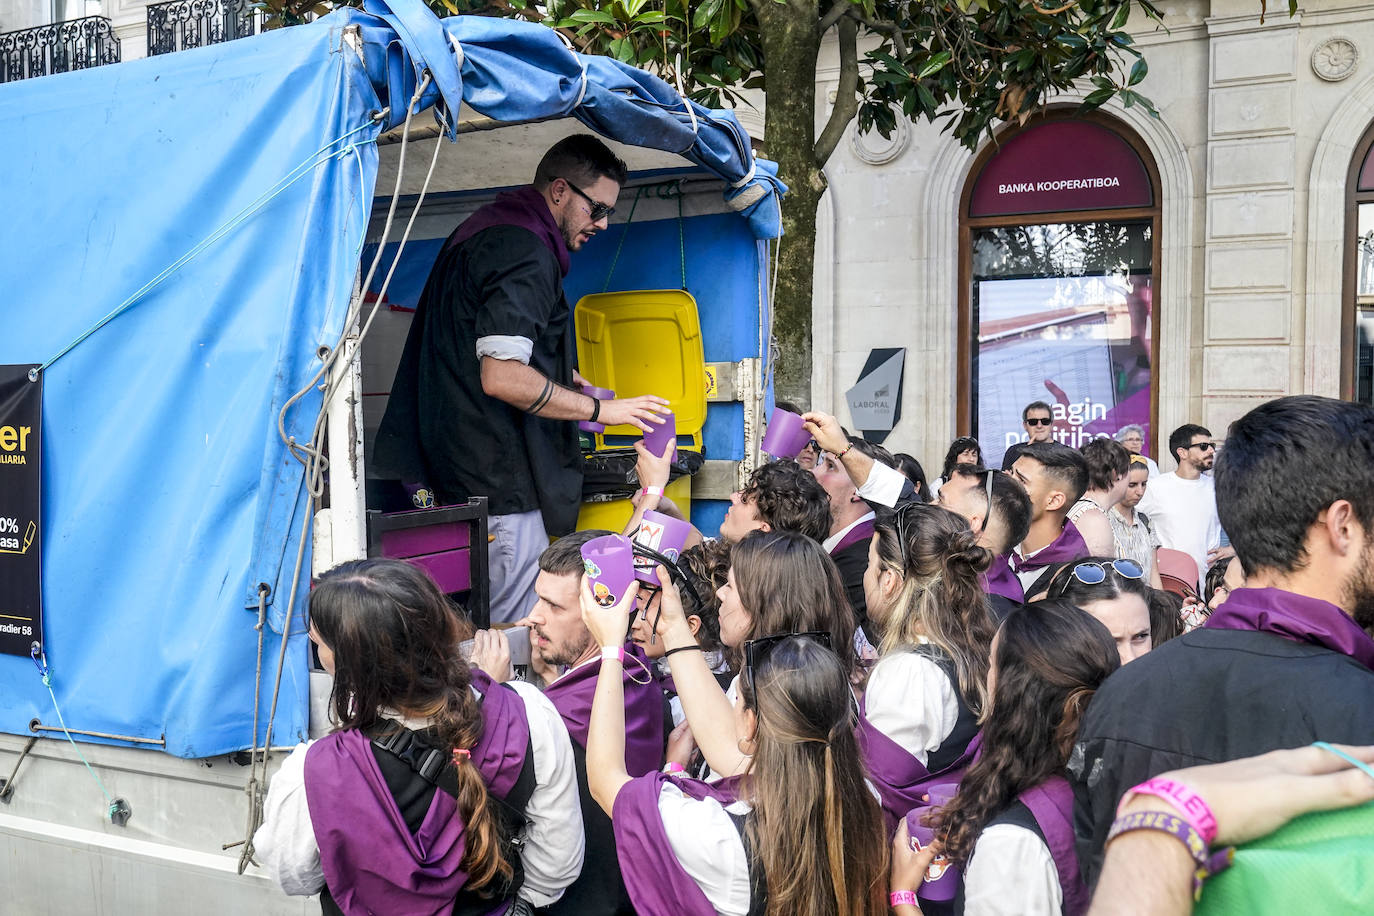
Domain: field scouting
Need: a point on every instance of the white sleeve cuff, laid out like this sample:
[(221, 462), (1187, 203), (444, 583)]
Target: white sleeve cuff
[(884, 485), (505, 346)]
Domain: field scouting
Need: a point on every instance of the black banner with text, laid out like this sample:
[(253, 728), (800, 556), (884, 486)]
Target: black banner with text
[(21, 500)]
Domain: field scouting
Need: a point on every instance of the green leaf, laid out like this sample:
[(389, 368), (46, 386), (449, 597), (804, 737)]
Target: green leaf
[(934, 64), (1121, 16), (652, 17), (593, 16), (1138, 72)]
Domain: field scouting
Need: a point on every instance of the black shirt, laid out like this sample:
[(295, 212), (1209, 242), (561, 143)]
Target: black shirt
[(441, 427)]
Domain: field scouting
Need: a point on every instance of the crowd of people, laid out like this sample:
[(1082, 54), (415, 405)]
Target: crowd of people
[(1065, 685)]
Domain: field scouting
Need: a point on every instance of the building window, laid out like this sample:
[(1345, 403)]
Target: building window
[(1358, 358), (1059, 241)]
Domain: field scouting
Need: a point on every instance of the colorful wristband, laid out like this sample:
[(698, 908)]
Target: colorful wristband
[(1193, 807), (672, 766), (613, 652), (897, 898), (650, 491), (839, 456), (1206, 864)]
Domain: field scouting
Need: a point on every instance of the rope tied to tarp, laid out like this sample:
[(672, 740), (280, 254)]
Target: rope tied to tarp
[(40, 661), (664, 191)]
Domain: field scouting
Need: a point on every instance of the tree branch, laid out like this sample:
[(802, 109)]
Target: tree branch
[(890, 29), (846, 106), (836, 12)]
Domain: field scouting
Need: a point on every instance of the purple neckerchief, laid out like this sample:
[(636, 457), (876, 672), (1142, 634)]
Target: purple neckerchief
[(1000, 580), (899, 777), (525, 208), (371, 860), (572, 696), (655, 879), (1068, 546), (1294, 617), (860, 532), (1051, 803)]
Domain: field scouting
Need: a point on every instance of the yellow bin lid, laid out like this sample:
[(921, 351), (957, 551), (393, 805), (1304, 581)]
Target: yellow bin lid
[(645, 342)]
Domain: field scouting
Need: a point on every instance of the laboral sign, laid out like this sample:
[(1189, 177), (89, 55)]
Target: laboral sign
[(21, 476)]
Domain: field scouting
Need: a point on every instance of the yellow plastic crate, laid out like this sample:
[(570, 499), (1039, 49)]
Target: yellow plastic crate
[(614, 514)]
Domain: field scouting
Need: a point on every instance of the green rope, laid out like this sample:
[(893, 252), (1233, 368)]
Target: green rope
[(615, 260), (46, 674), (291, 177)]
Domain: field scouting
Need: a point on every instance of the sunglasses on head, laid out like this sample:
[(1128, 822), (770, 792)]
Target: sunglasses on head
[(1096, 573), (757, 651), (599, 211), (1039, 421)]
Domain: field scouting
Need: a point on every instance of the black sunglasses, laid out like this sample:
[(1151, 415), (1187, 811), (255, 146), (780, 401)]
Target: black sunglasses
[(599, 210), (1033, 421), (1205, 446), (757, 651)]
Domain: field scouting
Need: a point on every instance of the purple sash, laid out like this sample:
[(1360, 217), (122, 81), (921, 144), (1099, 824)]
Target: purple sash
[(525, 208), (900, 778), (656, 881), (1294, 617), (572, 696), (1000, 580), (371, 861), (860, 532), (1051, 803), (1068, 546)]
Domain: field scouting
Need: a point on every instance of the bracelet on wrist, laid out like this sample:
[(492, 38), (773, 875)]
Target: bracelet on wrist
[(1192, 807), (839, 456), (687, 648), (672, 766), (616, 653), (596, 410), (1171, 823), (897, 898), (650, 491)]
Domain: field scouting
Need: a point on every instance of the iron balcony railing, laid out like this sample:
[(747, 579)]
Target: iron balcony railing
[(75, 44), (184, 24)]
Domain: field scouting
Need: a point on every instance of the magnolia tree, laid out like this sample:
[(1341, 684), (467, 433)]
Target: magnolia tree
[(964, 64)]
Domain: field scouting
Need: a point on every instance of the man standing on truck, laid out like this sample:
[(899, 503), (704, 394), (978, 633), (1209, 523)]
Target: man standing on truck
[(484, 402)]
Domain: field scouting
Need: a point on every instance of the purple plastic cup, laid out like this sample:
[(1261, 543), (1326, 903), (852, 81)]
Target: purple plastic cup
[(941, 881), (658, 437), (601, 394), (786, 435), (662, 534), (610, 565)]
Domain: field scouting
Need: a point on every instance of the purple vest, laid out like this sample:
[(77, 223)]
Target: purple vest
[(371, 861), (572, 696), (1294, 617), (1051, 804), (657, 883), (525, 208), (1068, 546)]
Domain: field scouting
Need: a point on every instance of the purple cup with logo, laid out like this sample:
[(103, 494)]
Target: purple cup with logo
[(941, 881), (658, 437), (663, 535), (610, 565), (601, 394), (786, 435)]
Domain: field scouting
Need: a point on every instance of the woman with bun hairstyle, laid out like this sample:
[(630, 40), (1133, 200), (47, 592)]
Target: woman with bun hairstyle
[(796, 832), (925, 694), (439, 791), (1010, 826)]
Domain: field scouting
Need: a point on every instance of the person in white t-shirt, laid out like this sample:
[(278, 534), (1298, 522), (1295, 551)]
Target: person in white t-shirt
[(1182, 505)]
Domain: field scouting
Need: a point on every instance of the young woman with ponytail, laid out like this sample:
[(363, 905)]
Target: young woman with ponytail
[(1010, 826), (439, 791), (797, 832), (925, 694)]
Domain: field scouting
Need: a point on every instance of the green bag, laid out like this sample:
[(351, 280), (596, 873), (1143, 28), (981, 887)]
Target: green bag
[(1320, 863)]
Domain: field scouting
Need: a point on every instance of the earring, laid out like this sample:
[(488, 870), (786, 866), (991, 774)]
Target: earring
[(738, 742)]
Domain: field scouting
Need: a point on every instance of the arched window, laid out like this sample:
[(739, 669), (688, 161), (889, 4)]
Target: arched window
[(1059, 255), (1358, 350)]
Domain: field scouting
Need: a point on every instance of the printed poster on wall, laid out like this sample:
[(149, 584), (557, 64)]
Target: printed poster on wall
[(21, 476)]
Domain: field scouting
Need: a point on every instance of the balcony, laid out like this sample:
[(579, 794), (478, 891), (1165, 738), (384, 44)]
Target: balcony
[(75, 44), (184, 24)]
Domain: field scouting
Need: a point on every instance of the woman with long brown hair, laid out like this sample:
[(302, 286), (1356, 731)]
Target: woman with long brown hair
[(439, 791), (1010, 826), (796, 833), (925, 694)]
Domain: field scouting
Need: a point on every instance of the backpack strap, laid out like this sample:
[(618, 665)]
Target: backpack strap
[(1051, 804)]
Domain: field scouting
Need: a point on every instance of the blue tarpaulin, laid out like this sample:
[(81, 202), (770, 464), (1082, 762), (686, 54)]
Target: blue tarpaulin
[(168, 494)]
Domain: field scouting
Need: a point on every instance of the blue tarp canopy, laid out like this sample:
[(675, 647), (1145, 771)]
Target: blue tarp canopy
[(169, 495)]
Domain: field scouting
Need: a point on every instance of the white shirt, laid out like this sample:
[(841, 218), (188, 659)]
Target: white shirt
[(911, 700), (1011, 873), (554, 843), (884, 485), (706, 844), (830, 542), (1184, 515)]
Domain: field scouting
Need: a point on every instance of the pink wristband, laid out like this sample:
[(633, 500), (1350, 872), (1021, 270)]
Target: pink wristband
[(672, 766), (898, 898), (1188, 802), (651, 491), (613, 652)]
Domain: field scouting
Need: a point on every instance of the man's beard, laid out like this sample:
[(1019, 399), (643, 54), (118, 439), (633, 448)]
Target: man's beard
[(1360, 590), (569, 652)]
